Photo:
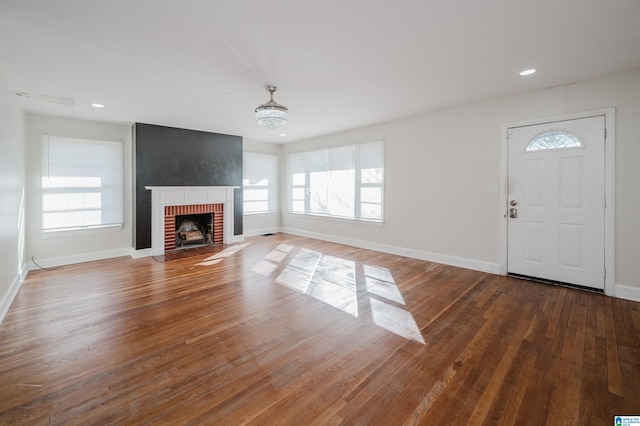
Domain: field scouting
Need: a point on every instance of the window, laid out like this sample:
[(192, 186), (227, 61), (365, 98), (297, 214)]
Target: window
[(342, 182), (260, 183), (553, 140), (82, 184)]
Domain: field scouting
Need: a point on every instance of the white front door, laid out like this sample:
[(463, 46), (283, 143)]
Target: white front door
[(556, 197)]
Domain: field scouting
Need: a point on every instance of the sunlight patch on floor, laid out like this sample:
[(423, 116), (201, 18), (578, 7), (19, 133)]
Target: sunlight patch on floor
[(380, 282), (332, 280), (396, 320), (270, 262), (326, 278), (219, 257)]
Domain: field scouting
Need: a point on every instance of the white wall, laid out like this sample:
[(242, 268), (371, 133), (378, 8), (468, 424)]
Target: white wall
[(438, 166), (12, 196), (258, 224), (71, 249)]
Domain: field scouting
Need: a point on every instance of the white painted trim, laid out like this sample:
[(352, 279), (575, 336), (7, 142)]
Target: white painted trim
[(66, 233), (24, 271), (627, 292), (329, 218), (258, 232), (138, 254), (11, 293), (504, 194), (236, 239), (610, 196), (609, 190), (78, 258), (477, 265)]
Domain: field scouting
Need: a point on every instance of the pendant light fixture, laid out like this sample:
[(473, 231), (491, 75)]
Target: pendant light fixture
[(271, 115)]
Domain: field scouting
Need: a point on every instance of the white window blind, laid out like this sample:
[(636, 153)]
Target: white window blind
[(82, 183), (342, 182), (260, 183)]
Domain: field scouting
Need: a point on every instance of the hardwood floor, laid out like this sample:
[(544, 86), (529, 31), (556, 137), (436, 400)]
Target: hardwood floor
[(290, 330)]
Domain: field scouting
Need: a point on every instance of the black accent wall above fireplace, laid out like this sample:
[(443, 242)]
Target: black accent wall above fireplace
[(168, 156)]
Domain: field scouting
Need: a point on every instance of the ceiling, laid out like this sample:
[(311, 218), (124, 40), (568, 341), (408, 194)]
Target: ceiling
[(338, 64)]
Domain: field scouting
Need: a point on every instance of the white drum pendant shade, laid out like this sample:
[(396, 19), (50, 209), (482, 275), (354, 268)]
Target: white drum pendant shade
[(271, 114)]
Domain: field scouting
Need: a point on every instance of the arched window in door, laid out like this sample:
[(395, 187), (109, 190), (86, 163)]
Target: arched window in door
[(555, 139)]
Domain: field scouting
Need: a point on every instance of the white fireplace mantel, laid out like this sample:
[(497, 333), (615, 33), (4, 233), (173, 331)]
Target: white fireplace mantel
[(163, 196)]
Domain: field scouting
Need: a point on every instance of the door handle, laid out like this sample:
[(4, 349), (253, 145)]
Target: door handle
[(513, 213)]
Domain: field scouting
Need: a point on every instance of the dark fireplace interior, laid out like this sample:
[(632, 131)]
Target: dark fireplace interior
[(194, 229)]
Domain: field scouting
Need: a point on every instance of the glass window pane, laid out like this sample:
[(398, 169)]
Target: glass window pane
[(260, 182), (329, 181), (74, 201), (318, 201), (319, 185), (298, 193), (256, 206), (298, 179), (371, 195), (71, 182), (73, 219), (256, 182), (371, 211), (371, 175), (554, 140), (256, 194), (341, 193)]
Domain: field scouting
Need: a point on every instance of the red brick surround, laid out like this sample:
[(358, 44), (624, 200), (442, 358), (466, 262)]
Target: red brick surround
[(170, 213)]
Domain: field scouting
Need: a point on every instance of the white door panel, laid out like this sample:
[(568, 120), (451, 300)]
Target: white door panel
[(556, 195)]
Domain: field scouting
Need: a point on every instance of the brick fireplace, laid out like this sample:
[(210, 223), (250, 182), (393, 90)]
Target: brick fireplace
[(171, 212), (167, 202)]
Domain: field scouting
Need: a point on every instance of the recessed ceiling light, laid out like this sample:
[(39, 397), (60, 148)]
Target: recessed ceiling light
[(97, 105), (527, 72), (283, 134)]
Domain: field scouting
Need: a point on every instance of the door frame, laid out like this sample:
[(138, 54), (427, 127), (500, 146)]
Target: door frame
[(609, 187)]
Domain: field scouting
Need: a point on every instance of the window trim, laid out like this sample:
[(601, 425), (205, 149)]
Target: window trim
[(340, 219), (81, 230)]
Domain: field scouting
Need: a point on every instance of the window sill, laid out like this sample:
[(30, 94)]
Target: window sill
[(77, 232), (362, 222), (269, 213)]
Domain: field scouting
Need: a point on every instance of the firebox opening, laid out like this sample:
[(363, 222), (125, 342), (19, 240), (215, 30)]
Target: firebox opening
[(194, 230)]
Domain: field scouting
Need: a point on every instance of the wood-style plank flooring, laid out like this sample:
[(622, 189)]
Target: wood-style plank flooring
[(293, 331)]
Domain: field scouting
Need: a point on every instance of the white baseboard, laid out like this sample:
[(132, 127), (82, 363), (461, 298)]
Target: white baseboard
[(24, 270), (7, 298), (264, 231), (626, 292), (476, 265), (77, 258), (137, 254)]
